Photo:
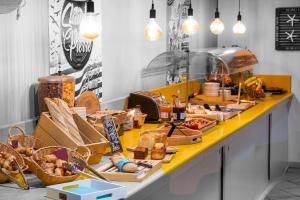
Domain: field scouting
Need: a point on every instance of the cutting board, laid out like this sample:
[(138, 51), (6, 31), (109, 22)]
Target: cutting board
[(89, 100)]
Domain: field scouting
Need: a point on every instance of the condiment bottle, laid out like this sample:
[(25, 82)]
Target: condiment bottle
[(179, 110), (137, 115)]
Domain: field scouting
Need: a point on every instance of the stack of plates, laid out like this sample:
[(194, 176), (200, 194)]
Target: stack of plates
[(227, 93), (211, 89)]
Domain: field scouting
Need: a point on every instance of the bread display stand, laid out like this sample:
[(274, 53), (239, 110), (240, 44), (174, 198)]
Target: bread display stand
[(52, 135)]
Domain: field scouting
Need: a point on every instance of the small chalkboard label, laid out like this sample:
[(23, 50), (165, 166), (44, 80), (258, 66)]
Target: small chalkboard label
[(287, 35), (112, 134)]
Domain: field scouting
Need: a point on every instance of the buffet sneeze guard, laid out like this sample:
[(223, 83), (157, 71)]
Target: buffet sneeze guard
[(211, 64)]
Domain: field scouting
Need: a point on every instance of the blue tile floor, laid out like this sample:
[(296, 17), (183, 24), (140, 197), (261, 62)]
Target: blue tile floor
[(288, 188)]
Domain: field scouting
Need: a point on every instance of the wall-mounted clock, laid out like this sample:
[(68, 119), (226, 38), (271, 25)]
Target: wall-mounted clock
[(287, 32)]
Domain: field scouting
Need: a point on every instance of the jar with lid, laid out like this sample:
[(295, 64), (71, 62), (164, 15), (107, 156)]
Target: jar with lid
[(165, 112), (62, 87)]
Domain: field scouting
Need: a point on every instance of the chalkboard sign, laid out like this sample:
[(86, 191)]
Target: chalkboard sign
[(112, 134), (287, 35)]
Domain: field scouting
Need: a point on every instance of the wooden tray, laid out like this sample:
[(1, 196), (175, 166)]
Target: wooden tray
[(210, 123), (213, 100), (180, 136), (111, 172)]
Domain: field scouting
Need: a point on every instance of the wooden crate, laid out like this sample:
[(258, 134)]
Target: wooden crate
[(51, 135)]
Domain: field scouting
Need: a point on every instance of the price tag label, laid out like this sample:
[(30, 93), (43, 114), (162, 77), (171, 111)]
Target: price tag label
[(112, 134)]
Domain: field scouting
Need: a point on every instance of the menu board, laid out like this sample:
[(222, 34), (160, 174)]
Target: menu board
[(75, 55), (287, 36), (112, 134)]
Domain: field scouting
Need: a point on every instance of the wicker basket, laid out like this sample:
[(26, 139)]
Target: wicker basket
[(49, 179), (25, 141), (19, 159)]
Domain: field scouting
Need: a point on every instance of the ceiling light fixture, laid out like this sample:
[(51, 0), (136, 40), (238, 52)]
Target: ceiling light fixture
[(239, 28), (152, 31), (90, 26), (190, 26), (217, 26)]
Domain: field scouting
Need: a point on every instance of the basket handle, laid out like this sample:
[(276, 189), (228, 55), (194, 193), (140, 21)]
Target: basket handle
[(16, 127)]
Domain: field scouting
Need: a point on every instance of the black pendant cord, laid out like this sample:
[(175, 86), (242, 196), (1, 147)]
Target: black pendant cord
[(217, 13), (239, 17), (90, 6), (190, 10), (152, 11)]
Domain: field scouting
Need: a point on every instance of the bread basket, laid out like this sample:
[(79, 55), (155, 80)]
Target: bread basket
[(49, 179), (7, 149), (26, 141)]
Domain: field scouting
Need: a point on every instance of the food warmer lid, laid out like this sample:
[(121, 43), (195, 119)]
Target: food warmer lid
[(237, 59)]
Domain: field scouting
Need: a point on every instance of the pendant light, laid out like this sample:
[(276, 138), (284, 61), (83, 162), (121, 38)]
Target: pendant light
[(152, 31), (90, 26), (190, 26), (217, 26), (239, 28)]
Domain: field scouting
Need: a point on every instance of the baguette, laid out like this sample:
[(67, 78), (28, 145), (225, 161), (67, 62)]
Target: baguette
[(56, 115), (70, 123)]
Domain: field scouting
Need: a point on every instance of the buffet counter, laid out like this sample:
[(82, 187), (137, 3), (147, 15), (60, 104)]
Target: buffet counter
[(206, 169), (189, 156)]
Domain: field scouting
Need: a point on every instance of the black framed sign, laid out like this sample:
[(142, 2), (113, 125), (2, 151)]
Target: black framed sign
[(287, 32), (77, 56), (112, 134)]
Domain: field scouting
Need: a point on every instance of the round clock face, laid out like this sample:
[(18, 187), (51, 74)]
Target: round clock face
[(77, 49)]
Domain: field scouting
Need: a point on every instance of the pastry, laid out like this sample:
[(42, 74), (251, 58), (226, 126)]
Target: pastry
[(146, 141), (59, 171), (124, 164), (21, 150), (49, 170), (158, 152), (60, 163), (140, 153), (50, 158)]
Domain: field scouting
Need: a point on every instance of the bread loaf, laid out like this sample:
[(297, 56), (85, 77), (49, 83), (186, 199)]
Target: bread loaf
[(70, 123), (56, 115)]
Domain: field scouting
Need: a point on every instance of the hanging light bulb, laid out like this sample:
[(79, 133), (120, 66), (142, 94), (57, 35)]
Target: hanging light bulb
[(217, 26), (239, 28), (152, 31), (90, 26), (190, 26)]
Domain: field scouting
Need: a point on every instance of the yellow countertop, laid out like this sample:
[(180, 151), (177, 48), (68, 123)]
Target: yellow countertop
[(214, 136)]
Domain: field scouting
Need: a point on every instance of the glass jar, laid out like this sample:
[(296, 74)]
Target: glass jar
[(165, 112), (179, 113), (62, 87)]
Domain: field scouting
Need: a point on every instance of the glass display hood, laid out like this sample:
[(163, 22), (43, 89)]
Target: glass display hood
[(205, 64)]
